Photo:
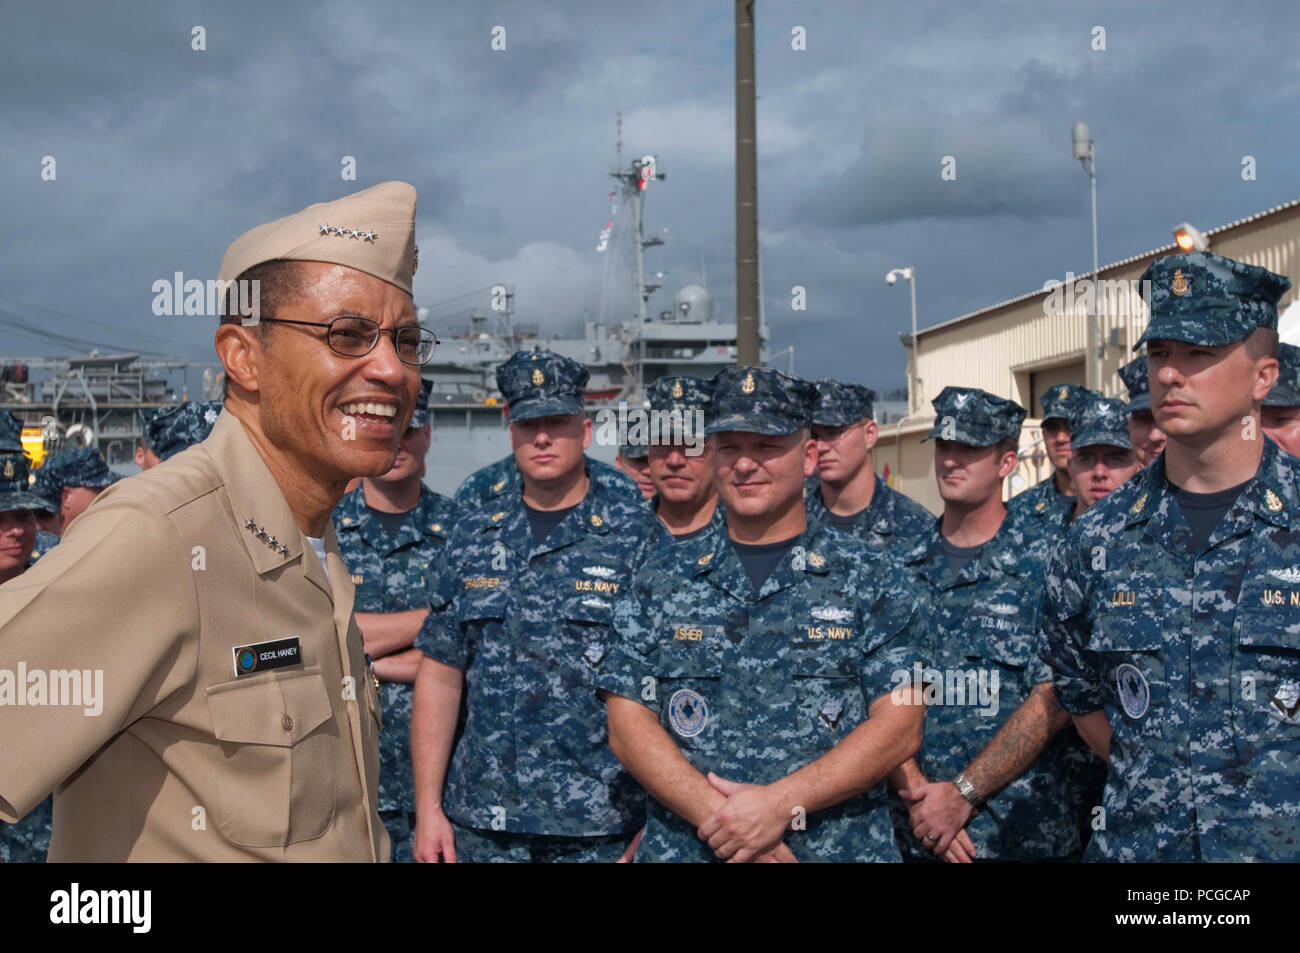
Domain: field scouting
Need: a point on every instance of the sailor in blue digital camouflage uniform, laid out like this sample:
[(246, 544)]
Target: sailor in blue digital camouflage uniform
[(983, 569), (178, 428), (501, 479), (760, 686), (1051, 500), (847, 493), (681, 464), (1172, 612), (1035, 744), (391, 529), (28, 841), (529, 588), (1280, 415), (70, 481), (1147, 439)]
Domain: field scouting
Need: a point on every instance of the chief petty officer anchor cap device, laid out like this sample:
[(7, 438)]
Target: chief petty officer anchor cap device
[(542, 384), (1203, 298), (372, 231), (760, 400)]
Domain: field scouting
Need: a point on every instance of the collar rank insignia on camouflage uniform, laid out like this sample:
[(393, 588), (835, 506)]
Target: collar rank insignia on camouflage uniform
[(596, 520), (436, 527), (538, 377), (498, 487), (677, 388), (1136, 508), (498, 517), (1039, 508), (347, 521), (1272, 501), (816, 560), (1179, 285), (705, 559), (9, 468), (747, 385)]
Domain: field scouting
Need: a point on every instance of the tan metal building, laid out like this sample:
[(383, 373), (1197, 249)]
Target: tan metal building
[(1020, 348)]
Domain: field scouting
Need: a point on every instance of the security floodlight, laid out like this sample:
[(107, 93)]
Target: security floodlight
[(1082, 141), (1190, 238)]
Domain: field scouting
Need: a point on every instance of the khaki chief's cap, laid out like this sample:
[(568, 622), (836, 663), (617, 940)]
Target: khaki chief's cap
[(372, 231)]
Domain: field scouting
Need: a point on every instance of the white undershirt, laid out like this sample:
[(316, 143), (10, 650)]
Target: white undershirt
[(318, 544)]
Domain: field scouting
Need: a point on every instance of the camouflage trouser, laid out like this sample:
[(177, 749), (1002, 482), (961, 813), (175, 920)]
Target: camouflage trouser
[(28, 841), (475, 846), (401, 831)]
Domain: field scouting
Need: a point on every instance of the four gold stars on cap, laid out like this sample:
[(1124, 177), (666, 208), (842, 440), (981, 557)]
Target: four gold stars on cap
[(327, 229)]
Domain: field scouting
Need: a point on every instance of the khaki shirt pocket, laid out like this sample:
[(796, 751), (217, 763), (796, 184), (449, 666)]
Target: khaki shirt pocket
[(275, 780)]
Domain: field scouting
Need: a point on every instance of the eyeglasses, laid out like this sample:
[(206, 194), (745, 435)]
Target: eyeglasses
[(356, 337)]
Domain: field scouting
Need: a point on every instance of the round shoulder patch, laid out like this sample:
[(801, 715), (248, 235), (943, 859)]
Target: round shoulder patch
[(687, 713), (1134, 693)]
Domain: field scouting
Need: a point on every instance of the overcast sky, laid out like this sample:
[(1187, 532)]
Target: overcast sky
[(165, 154)]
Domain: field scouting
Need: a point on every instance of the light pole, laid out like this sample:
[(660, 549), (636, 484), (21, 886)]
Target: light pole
[(1086, 154), (892, 278)]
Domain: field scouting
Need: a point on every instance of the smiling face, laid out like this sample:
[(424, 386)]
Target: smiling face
[(550, 448), (759, 475), (328, 416), (970, 476), (1098, 470), (1200, 394), (842, 452)]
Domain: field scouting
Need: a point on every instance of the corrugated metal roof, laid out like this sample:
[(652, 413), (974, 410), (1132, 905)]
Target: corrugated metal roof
[(1163, 249)]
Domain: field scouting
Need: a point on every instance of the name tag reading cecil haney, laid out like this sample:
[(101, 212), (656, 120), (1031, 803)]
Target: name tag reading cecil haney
[(263, 656)]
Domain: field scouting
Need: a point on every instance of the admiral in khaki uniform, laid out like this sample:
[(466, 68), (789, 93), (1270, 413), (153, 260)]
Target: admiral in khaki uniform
[(238, 719)]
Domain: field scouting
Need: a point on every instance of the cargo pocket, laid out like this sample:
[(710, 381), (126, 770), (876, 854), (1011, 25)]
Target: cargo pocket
[(1129, 646), (1265, 687), (275, 784), (829, 701)]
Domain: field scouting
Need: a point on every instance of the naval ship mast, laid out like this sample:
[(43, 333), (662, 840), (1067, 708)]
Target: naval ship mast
[(633, 181)]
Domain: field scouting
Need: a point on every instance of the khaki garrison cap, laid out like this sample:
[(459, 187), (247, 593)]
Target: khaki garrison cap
[(372, 231)]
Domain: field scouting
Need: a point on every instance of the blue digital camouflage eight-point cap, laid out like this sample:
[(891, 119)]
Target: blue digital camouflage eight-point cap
[(687, 396), (542, 384), (11, 433), (1286, 392), (420, 416), (86, 467), (1096, 420), (842, 404), (974, 417), (1134, 376), (15, 485), (48, 482), (760, 400), (1058, 399), (1203, 298), (181, 427)]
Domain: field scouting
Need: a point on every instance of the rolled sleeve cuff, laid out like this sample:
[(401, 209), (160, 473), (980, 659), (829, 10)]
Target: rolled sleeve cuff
[(619, 681), (441, 643)]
